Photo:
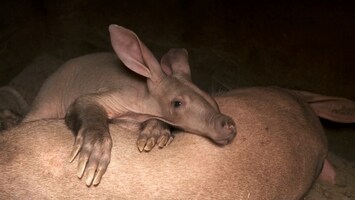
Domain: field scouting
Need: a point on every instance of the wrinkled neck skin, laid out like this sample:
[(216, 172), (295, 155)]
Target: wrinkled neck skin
[(139, 105), (132, 104)]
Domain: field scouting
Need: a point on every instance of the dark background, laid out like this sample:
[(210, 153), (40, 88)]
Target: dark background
[(306, 45)]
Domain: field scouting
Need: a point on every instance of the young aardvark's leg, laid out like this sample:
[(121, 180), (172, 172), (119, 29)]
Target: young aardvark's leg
[(8, 119), (153, 131), (88, 121)]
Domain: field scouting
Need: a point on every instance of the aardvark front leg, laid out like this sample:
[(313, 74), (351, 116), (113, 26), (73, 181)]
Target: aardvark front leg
[(153, 131), (89, 123)]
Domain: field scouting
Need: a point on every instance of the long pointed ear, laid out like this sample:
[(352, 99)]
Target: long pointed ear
[(176, 61), (332, 108), (134, 54)]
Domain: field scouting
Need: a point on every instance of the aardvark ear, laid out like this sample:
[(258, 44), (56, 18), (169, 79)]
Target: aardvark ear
[(134, 54), (175, 61), (336, 109)]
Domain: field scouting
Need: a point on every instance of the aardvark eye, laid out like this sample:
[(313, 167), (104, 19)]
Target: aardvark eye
[(176, 103)]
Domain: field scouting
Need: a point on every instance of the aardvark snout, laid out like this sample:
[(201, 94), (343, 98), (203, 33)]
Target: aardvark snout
[(225, 129)]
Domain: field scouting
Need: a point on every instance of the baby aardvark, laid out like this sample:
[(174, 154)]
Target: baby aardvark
[(91, 90)]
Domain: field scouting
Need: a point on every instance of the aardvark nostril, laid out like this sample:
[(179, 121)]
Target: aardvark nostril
[(226, 130), (229, 125)]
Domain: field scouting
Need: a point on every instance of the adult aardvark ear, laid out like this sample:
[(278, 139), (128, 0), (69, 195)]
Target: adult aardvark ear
[(175, 61), (332, 108), (134, 54)]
